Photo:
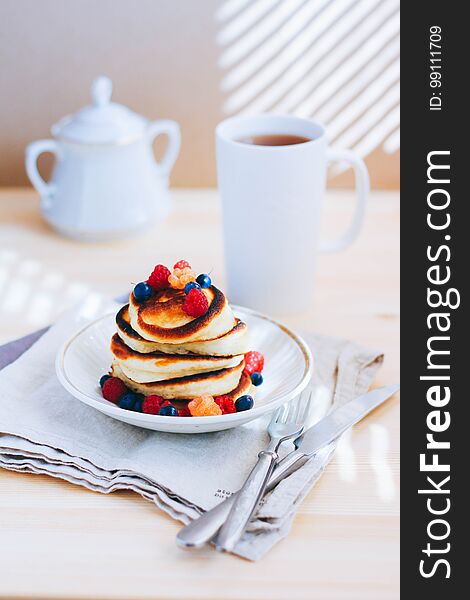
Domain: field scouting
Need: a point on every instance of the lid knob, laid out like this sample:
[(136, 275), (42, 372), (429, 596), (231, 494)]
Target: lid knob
[(102, 121), (101, 90)]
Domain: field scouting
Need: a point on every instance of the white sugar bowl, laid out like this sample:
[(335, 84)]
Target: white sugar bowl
[(106, 182)]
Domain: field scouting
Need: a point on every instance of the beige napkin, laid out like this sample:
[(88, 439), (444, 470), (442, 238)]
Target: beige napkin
[(45, 430)]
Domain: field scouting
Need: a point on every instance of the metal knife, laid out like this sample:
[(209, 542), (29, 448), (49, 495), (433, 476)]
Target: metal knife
[(202, 530)]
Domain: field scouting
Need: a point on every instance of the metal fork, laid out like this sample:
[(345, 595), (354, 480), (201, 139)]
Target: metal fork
[(287, 423)]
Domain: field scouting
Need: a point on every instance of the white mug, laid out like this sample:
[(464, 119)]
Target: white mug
[(272, 198)]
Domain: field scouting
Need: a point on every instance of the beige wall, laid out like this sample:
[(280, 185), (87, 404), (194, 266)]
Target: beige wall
[(161, 55)]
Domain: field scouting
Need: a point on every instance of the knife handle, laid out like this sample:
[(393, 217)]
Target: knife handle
[(203, 529), (246, 501)]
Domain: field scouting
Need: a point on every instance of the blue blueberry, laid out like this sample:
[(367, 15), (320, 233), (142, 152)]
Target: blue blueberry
[(204, 280), (103, 379), (190, 286), (128, 400), (142, 291), (256, 378), (244, 403), (138, 403), (168, 411)]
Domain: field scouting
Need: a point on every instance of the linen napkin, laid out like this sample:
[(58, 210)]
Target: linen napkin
[(43, 429)]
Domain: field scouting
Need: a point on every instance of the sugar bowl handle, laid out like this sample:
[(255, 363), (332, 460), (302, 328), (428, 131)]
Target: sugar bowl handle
[(33, 151), (172, 131)]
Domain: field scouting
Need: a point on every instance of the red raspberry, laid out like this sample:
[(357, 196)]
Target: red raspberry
[(113, 389), (182, 264), (184, 412), (196, 303), (254, 362), (152, 404), (226, 404), (158, 279)]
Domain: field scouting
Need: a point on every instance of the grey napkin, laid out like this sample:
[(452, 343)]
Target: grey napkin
[(45, 430)]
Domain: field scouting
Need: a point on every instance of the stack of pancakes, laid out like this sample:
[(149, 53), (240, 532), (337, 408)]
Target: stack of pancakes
[(159, 349)]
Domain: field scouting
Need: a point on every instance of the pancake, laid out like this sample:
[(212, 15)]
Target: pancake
[(215, 383), (161, 318), (157, 366), (236, 341)]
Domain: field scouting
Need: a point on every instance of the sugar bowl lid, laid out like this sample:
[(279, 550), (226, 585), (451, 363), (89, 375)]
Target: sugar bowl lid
[(103, 121)]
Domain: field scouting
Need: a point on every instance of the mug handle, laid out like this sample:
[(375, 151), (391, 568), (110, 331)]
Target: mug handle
[(362, 193), (33, 151), (172, 130)]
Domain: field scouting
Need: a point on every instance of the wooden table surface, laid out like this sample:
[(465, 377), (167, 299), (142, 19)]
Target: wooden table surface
[(62, 541)]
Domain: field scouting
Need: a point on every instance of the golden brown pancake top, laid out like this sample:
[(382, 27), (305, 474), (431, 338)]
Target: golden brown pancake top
[(163, 315), (124, 324)]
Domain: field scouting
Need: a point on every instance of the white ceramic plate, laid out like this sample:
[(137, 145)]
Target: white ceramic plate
[(85, 357)]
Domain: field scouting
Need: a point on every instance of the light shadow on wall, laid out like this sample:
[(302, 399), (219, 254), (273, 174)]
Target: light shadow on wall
[(334, 60)]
